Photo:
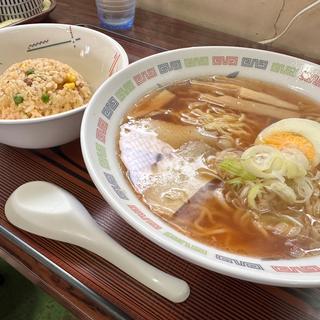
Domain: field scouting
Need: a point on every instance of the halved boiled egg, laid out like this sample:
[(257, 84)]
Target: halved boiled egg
[(294, 133)]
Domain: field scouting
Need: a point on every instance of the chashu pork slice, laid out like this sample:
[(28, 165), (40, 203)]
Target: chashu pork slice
[(165, 176)]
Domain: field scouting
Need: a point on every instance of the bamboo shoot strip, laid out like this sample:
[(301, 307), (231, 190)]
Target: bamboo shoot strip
[(242, 92), (266, 98), (249, 106), (215, 88), (157, 102)]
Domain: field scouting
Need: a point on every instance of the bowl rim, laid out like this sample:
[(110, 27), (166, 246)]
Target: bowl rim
[(81, 108), (252, 275)]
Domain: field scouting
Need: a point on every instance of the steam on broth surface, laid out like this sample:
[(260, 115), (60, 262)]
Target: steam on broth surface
[(233, 163)]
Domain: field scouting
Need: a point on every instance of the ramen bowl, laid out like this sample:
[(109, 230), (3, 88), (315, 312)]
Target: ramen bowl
[(100, 138), (94, 55)]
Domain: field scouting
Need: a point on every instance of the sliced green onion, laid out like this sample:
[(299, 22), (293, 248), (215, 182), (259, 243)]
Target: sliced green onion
[(263, 161), (45, 98), (252, 195), (237, 182), (234, 168), (282, 190), (29, 71)]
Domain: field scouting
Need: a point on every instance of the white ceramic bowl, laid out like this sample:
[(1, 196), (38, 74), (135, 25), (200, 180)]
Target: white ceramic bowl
[(93, 54), (99, 139)]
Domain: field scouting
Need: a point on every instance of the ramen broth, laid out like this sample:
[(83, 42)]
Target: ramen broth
[(172, 143)]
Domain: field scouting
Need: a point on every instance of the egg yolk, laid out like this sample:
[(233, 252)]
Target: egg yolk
[(283, 139)]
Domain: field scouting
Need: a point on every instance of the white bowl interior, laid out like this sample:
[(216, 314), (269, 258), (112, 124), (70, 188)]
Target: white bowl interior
[(99, 138), (89, 52)]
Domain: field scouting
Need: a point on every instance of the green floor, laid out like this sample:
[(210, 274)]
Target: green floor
[(21, 300)]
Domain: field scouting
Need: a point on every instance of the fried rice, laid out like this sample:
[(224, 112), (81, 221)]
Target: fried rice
[(40, 87)]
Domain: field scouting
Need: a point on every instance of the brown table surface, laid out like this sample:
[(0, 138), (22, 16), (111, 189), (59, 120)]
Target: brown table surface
[(87, 284)]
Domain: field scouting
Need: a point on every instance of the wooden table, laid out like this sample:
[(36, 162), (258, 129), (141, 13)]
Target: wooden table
[(85, 283)]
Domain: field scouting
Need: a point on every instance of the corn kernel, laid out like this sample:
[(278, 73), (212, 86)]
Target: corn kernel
[(71, 77), (69, 85)]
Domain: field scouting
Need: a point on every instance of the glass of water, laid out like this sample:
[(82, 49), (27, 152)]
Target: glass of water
[(116, 14)]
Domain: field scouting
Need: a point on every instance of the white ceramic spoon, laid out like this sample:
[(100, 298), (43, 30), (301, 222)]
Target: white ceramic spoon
[(47, 210)]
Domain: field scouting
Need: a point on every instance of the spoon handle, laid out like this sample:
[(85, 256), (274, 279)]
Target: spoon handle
[(170, 287)]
